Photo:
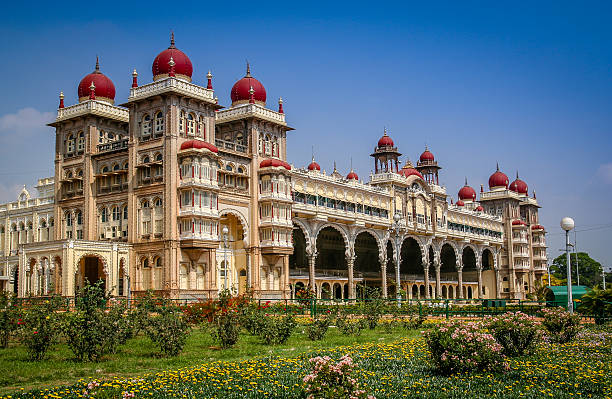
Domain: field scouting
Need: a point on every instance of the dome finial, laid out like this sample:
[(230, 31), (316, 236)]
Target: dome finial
[(92, 89), (97, 64), (517, 174), (497, 163), (61, 97), (209, 78), (172, 39), (280, 106), (251, 95), (466, 181), (134, 78), (385, 131), (248, 71)]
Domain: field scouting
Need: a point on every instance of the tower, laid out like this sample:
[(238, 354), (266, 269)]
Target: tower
[(386, 155), (428, 166)]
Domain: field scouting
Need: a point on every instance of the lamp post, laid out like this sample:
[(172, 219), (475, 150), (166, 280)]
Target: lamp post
[(567, 224), (396, 230), (225, 230), (548, 269), (603, 277)]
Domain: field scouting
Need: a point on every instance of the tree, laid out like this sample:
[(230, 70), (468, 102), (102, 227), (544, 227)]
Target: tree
[(589, 269)]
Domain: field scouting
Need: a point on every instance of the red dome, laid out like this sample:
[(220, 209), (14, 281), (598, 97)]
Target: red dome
[(105, 89), (460, 203), (274, 163), (479, 208), (314, 166), (467, 193), (498, 179), (537, 227), (408, 170), (182, 63), (518, 222), (240, 93), (385, 141), (352, 176), (519, 186), (198, 144), (427, 156)]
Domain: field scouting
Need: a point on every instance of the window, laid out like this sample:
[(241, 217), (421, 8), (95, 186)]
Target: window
[(81, 142), (116, 213), (79, 218), (146, 159), (125, 212), (158, 203), (190, 125), (159, 123), (182, 122), (145, 204), (104, 215), (159, 157), (146, 126), (70, 144), (68, 219), (202, 127)]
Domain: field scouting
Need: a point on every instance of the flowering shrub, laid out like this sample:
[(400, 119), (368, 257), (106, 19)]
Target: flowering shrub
[(317, 329), (332, 380), (373, 307), (39, 328), (350, 326), (517, 332), (199, 312), (561, 324), (168, 329), (275, 330), (460, 346), (9, 317), (226, 323)]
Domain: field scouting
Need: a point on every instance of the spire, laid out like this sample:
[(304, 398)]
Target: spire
[(280, 106), (61, 96), (481, 188), (134, 78), (172, 64), (97, 65), (251, 95), (385, 131), (248, 71), (172, 40), (335, 170), (534, 195), (497, 166), (209, 77), (92, 88), (466, 181), (517, 174)]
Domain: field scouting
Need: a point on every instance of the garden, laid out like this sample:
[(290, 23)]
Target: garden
[(235, 347)]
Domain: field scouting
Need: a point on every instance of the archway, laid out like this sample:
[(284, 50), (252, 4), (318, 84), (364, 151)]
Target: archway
[(411, 266), (90, 269), (367, 263), (489, 280), (16, 280), (298, 260), (325, 291), (470, 273), (448, 268), (231, 254), (331, 257), (444, 292), (391, 283)]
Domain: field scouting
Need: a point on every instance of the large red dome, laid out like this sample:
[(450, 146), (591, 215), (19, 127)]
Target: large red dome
[(385, 141), (427, 156), (105, 89), (498, 179), (314, 165), (408, 170), (182, 63), (519, 186), (240, 93), (198, 145), (467, 193), (274, 163)]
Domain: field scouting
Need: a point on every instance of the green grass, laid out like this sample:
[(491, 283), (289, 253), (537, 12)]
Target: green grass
[(140, 356)]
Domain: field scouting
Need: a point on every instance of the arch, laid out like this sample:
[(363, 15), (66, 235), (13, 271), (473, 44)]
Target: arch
[(487, 259), (411, 257), (326, 292), (331, 247), (305, 230), (448, 258), (444, 292), (240, 217), (468, 258), (367, 250), (336, 227), (298, 258), (91, 267)]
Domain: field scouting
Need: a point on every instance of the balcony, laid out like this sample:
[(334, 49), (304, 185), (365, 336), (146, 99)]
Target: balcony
[(113, 188), (269, 195), (186, 211), (95, 107), (250, 110), (113, 146), (228, 145), (172, 84), (267, 221), (202, 183)]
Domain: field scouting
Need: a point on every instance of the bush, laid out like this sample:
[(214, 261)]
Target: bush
[(597, 303), (251, 318), (459, 346), (39, 328), (330, 380), (10, 318), (349, 326), (317, 329), (561, 324), (226, 323), (517, 333), (169, 330), (373, 308), (412, 322), (199, 312), (276, 330)]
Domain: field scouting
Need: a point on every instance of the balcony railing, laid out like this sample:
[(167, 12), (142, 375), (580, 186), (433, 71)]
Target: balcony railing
[(113, 146), (228, 145)]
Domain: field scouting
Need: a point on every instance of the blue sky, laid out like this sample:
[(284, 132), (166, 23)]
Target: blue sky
[(528, 86)]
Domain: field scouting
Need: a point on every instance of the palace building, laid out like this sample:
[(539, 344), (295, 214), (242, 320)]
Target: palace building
[(174, 193)]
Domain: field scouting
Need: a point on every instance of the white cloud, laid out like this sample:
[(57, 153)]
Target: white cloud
[(605, 171), (26, 120)]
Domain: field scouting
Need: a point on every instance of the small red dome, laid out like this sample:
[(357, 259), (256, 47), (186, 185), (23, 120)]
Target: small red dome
[(498, 179), (385, 141), (105, 89), (427, 156), (479, 208), (518, 222), (182, 63), (274, 163), (240, 93), (198, 144), (467, 193), (352, 176), (537, 227), (408, 170), (519, 186), (314, 166), (460, 203)]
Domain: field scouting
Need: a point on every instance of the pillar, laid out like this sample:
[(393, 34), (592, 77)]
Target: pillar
[(498, 288), (286, 288), (383, 271), (350, 260), (460, 278), (438, 287), (426, 275), (312, 258), (212, 268), (479, 282)]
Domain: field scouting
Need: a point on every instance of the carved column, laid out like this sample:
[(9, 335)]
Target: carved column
[(479, 269), (383, 271), (312, 258), (350, 260), (438, 286), (498, 287), (426, 275), (460, 278)]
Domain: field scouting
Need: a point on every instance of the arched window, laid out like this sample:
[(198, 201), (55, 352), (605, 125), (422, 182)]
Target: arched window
[(275, 147), (43, 224), (104, 215), (125, 212), (158, 202), (105, 169), (125, 166), (146, 159), (81, 142), (159, 123), (70, 144), (182, 122), (190, 125), (68, 219), (116, 213), (146, 126), (260, 143), (68, 175), (267, 145), (159, 157), (202, 127), (80, 173), (145, 204), (101, 138), (79, 218), (116, 167)]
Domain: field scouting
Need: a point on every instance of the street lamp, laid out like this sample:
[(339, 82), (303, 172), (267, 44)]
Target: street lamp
[(567, 224), (225, 230), (396, 230)]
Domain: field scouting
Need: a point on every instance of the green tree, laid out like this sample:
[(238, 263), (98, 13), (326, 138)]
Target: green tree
[(589, 269)]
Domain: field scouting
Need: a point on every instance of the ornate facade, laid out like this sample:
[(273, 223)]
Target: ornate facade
[(173, 193)]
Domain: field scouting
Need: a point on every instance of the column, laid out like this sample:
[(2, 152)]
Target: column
[(286, 288), (350, 260), (383, 271), (152, 267), (212, 269), (460, 278), (498, 288), (438, 287), (479, 268), (311, 270), (426, 274)]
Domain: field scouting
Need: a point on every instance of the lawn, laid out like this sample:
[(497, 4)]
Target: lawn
[(134, 358)]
